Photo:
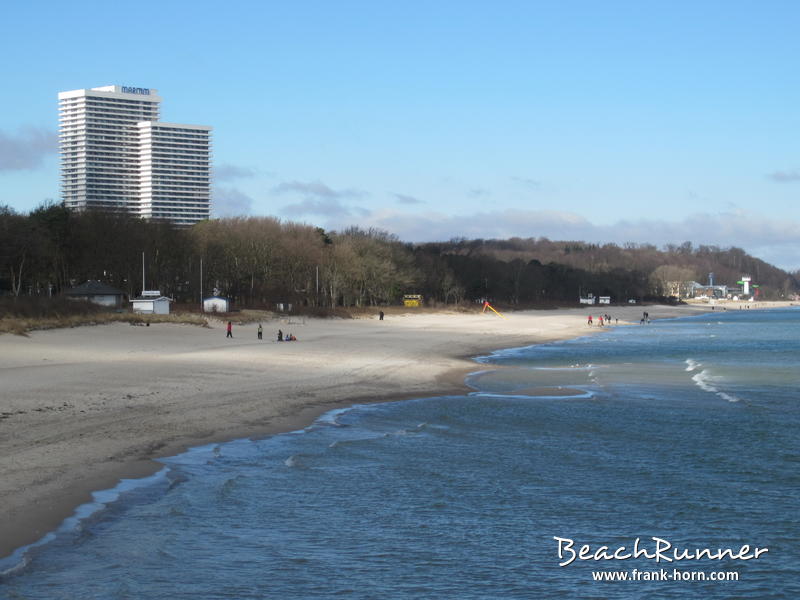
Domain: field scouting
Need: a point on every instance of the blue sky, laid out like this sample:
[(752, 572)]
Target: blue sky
[(655, 122)]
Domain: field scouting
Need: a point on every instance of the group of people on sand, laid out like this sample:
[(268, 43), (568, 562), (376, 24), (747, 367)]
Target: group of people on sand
[(260, 333), (286, 338), (602, 320)]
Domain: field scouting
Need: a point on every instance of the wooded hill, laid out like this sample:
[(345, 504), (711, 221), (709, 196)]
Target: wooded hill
[(259, 261), (532, 270)]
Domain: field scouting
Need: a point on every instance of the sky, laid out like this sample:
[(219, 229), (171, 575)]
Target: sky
[(643, 122)]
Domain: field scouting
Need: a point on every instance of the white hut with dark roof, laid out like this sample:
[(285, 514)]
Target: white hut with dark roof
[(97, 293)]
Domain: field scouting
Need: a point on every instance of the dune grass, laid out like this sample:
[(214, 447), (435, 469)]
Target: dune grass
[(18, 316)]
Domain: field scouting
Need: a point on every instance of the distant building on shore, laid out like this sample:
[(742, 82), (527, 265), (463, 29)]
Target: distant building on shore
[(151, 302), (97, 293), (216, 304), (116, 155), (412, 300)]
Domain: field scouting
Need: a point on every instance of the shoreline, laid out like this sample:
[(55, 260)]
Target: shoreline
[(148, 394)]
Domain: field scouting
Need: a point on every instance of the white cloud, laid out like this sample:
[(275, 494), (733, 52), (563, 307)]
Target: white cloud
[(527, 182), (230, 202), (405, 199), (315, 189), (27, 149), (785, 176), (326, 207), (225, 172), (319, 199)]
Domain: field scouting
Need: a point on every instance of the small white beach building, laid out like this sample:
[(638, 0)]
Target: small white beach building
[(151, 302), (216, 304)]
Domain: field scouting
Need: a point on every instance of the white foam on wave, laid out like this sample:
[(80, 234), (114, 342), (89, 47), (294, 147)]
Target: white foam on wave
[(727, 397), (472, 378), (410, 431), (575, 367), (692, 364), (582, 396), (705, 381), (293, 461), (332, 416), (377, 436), (481, 372)]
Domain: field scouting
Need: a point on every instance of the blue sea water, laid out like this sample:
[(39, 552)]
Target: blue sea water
[(685, 429)]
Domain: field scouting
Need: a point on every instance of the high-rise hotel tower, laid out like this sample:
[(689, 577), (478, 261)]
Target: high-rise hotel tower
[(116, 155)]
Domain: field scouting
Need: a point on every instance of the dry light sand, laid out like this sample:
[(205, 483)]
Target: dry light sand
[(81, 408)]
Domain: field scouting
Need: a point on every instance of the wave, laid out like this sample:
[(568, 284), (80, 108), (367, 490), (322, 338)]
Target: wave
[(407, 431), (100, 500), (573, 367), (705, 381), (583, 395), (294, 461), (331, 417), (377, 435)]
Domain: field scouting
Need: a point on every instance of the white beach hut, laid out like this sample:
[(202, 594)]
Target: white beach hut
[(216, 304), (151, 302)]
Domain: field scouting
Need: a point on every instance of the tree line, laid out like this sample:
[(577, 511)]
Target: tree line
[(261, 261)]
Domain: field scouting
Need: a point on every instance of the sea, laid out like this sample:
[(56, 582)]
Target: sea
[(646, 461)]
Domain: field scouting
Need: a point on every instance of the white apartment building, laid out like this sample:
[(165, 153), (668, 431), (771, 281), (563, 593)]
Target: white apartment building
[(116, 155)]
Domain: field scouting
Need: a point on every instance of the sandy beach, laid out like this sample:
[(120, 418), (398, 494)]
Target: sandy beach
[(82, 408)]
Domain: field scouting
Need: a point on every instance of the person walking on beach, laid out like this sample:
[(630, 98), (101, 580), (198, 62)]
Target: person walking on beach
[(280, 335), (230, 330), (260, 331), (380, 316)]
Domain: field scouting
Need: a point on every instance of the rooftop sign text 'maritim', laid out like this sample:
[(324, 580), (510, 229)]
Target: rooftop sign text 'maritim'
[(135, 90)]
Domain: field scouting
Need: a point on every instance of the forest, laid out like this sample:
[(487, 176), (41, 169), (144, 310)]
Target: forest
[(261, 261)]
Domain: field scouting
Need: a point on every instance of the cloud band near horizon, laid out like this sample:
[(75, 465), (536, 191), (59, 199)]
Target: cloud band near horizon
[(775, 241)]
